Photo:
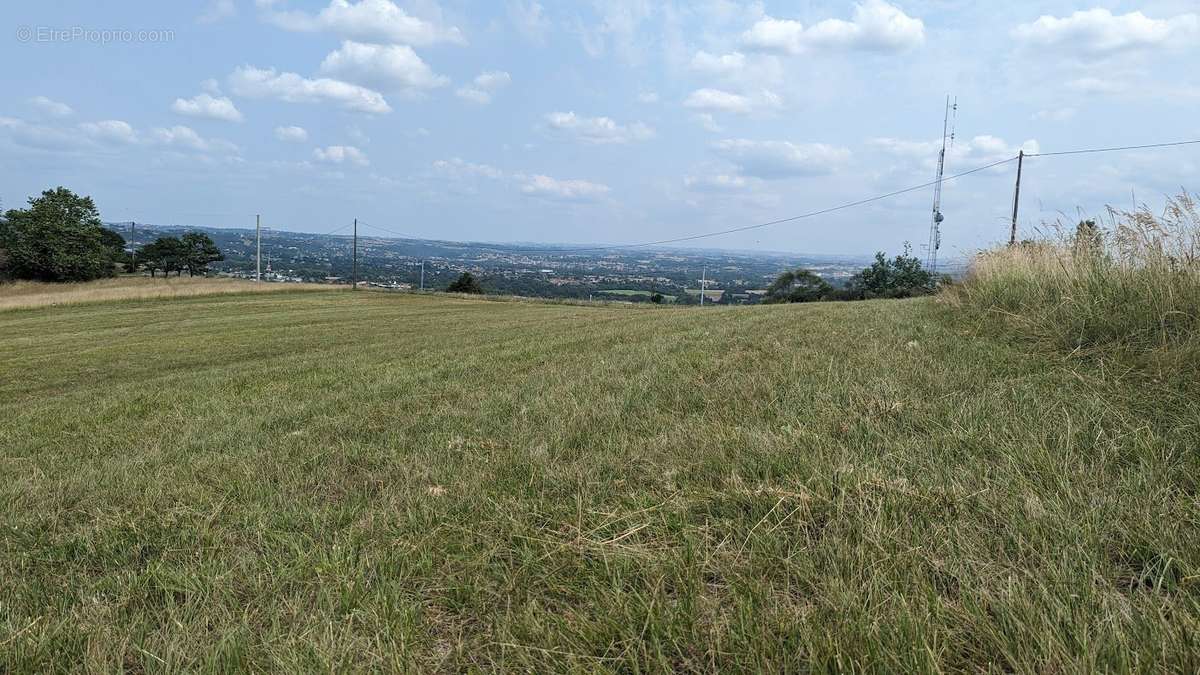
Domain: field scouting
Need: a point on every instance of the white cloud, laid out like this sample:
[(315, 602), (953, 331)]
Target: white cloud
[(457, 168), (291, 134), (380, 21), (709, 123), (563, 190), (186, 137), (982, 149), (292, 88), (341, 154), (716, 100), (648, 97), (483, 86), (51, 107), (597, 130), (876, 25), (391, 67), (727, 64), (716, 183), (1096, 85), (113, 131), (206, 105), (1098, 31), (781, 159)]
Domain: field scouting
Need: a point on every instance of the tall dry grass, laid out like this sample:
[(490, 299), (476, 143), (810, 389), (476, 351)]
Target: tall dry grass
[(29, 294), (1131, 282)]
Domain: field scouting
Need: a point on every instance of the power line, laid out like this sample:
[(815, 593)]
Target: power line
[(1087, 151)]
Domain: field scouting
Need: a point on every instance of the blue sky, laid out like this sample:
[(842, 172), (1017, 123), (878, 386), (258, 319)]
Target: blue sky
[(601, 122)]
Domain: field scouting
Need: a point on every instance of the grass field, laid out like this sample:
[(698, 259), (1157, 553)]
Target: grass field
[(337, 481), (27, 294)]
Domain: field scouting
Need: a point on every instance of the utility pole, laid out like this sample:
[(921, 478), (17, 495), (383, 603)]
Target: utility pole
[(1012, 237), (258, 247), (354, 282), (422, 275), (132, 245), (703, 285)]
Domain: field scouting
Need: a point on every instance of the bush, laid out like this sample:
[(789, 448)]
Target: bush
[(900, 277)]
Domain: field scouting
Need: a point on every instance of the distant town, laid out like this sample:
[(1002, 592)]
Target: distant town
[(534, 270)]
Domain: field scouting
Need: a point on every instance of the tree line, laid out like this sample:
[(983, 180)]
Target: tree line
[(59, 237)]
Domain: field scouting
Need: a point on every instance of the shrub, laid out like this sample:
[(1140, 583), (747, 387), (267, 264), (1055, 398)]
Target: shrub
[(900, 277)]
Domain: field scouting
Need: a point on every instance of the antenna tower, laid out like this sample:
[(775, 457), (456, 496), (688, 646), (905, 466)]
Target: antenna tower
[(935, 226)]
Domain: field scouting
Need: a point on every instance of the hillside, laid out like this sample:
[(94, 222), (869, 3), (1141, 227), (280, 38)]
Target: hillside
[(328, 481)]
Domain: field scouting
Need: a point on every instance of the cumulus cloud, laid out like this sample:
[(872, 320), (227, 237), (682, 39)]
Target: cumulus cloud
[(185, 137), (50, 107), (292, 88), (781, 159), (390, 67), (596, 130), (716, 100), (1099, 32), (876, 26), (206, 105), (723, 65), (484, 86), (113, 131), (721, 182), (380, 21), (535, 185), (341, 154), (292, 134), (563, 190), (457, 168), (982, 149)]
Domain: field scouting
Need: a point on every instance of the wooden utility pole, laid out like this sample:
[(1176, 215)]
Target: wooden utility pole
[(1012, 236), (133, 246), (354, 278), (258, 248)]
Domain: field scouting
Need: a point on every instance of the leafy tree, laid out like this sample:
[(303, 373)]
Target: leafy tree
[(114, 242), (168, 254), (657, 298), (797, 286), (900, 277), (58, 238), (466, 283), (198, 251)]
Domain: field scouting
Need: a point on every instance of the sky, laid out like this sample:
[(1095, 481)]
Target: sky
[(605, 122)]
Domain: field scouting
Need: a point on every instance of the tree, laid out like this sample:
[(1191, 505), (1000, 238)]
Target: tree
[(657, 298), (797, 286), (198, 251), (165, 253), (114, 242), (900, 277), (58, 238), (466, 283)]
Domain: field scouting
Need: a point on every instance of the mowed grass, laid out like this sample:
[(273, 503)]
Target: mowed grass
[(360, 481)]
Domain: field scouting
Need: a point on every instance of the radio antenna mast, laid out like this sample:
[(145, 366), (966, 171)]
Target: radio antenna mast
[(935, 227)]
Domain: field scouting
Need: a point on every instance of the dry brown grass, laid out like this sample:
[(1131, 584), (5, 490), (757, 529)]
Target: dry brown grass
[(27, 294)]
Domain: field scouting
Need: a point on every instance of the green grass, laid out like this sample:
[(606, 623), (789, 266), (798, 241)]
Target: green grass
[(337, 481)]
